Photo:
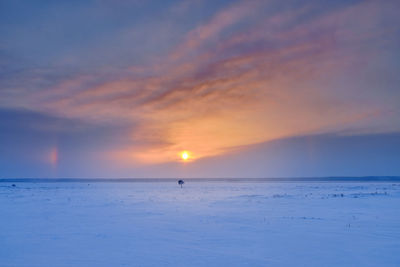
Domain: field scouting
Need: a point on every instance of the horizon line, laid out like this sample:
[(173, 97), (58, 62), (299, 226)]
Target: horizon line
[(390, 178)]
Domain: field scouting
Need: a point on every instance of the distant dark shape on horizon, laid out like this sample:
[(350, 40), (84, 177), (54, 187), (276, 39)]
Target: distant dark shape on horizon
[(181, 182)]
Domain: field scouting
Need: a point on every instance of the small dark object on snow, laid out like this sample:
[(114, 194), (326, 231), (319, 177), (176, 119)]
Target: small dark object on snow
[(181, 182), (13, 185)]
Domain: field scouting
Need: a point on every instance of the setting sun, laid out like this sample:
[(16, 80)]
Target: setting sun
[(185, 155)]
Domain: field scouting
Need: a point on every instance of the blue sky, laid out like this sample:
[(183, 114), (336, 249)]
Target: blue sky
[(249, 88)]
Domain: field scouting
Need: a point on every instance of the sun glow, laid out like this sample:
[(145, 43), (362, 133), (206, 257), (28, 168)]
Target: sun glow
[(185, 155)]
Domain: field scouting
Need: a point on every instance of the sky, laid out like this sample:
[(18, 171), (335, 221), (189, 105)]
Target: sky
[(103, 89)]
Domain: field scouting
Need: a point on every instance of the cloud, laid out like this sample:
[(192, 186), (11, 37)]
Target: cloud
[(320, 155), (255, 71), (34, 144)]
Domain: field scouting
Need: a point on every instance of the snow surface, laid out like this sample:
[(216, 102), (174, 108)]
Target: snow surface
[(203, 224)]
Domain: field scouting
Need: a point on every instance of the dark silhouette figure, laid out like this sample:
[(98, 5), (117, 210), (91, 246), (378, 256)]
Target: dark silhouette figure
[(181, 182), (13, 185)]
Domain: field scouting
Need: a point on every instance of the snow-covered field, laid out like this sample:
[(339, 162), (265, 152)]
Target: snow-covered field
[(203, 224)]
